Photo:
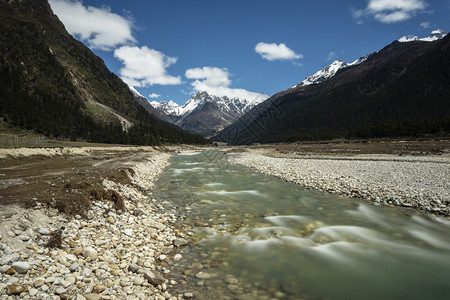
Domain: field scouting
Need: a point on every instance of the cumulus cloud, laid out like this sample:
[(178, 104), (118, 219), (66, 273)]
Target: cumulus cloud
[(273, 51), (99, 27), (154, 95), (144, 66), (425, 25), (216, 81), (332, 55), (391, 11)]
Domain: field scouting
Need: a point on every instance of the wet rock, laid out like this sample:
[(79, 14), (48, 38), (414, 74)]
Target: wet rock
[(180, 242), (203, 275), (154, 278), (177, 257)]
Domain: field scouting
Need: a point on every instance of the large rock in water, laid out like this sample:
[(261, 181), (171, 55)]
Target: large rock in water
[(154, 278)]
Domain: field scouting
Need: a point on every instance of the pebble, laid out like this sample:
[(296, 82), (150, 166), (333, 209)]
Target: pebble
[(21, 266), (9, 259), (90, 253), (33, 292), (16, 289), (177, 257), (38, 282), (133, 268), (203, 275), (44, 231), (106, 255)]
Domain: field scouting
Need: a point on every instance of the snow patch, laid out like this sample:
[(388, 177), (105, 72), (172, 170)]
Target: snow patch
[(434, 36)]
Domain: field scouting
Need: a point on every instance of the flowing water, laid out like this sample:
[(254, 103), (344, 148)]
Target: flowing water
[(263, 238)]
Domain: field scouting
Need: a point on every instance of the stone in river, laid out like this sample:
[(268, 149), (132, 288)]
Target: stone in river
[(154, 278), (203, 275), (179, 242)]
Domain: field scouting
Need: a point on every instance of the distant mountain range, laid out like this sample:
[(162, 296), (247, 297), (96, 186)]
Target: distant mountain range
[(204, 113), (54, 85), (401, 90)]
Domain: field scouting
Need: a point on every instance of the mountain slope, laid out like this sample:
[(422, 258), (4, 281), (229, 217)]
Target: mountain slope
[(401, 90), (53, 84), (205, 114)]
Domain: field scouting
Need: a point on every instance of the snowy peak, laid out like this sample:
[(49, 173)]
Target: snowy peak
[(204, 113), (434, 36), (329, 71), (234, 105), (324, 74)]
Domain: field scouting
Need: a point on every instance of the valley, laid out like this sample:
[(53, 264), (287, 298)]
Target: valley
[(107, 199)]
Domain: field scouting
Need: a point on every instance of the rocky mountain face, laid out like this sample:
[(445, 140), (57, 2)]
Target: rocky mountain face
[(399, 91), (203, 113), (54, 85)]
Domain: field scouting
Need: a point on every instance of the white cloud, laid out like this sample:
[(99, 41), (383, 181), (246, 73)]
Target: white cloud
[(391, 11), (216, 81), (154, 95), (332, 55), (99, 27), (144, 66), (273, 51), (425, 25)]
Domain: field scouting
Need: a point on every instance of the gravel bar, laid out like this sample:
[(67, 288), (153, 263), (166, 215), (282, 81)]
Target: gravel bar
[(422, 182), (110, 254)]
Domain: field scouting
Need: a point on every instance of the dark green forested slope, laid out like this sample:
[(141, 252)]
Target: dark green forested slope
[(53, 84), (401, 91)]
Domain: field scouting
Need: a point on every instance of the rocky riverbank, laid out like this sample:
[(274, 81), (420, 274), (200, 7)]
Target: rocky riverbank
[(419, 182), (106, 254)]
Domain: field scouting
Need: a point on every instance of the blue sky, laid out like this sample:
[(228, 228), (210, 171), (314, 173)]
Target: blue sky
[(170, 49)]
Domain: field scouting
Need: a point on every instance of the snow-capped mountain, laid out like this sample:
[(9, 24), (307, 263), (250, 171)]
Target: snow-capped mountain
[(331, 70), (434, 36), (204, 113)]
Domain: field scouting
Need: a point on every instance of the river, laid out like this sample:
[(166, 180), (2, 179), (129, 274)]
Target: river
[(257, 237)]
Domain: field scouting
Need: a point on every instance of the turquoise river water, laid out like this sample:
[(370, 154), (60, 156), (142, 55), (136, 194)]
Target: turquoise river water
[(263, 238)]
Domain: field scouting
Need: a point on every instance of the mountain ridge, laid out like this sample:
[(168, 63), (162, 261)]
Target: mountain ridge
[(400, 90), (204, 113), (53, 84)]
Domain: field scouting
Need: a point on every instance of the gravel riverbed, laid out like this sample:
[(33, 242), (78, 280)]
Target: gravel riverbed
[(110, 254), (421, 182)]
